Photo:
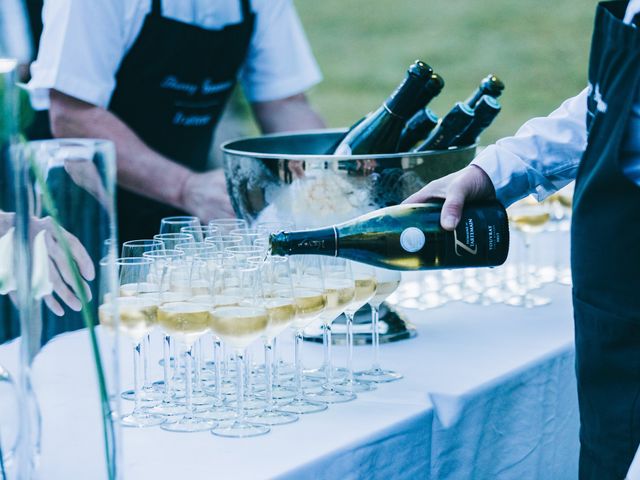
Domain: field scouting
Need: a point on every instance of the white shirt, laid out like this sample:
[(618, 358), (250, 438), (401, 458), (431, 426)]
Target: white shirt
[(15, 41), (84, 41), (544, 154)]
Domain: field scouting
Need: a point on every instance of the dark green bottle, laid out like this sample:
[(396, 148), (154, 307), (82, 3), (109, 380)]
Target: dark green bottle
[(450, 128), (417, 128), (380, 131), (420, 125), (487, 109), (490, 85), (409, 237)]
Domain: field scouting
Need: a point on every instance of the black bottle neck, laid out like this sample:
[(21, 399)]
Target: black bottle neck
[(323, 241), (406, 99)]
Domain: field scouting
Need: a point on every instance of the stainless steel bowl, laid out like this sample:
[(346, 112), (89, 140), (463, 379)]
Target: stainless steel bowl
[(289, 177)]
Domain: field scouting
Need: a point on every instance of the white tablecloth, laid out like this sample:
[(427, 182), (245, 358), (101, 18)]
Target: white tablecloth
[(488, 393)]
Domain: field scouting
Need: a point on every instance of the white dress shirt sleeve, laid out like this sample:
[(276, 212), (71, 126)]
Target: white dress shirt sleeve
[(78, 55), (542, 156), (280, 62)]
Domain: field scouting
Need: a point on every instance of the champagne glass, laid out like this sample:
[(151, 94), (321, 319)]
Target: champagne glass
[(281, 309), (225, 225), (310, 300), (364, 278), (249, 235), (186, 322), (387, 282), (528, 219), (174, 224), (137, 248), (339, 290), (240, 326), (222, 242), (201, 232), (137, 317), (170, 240)]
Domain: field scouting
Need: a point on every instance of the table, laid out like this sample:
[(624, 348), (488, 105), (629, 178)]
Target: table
[(489, 392)]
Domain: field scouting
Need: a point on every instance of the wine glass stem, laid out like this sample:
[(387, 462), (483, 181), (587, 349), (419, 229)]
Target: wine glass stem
[(328, 366), (298, 364), (375, 337), (268, 363), (527, 265), (275, 369), (240, 386), (197, 348), (166, 347), (217, 347), (137, 384), (146, 348), (188, 376), (349, 348), (248, 367)]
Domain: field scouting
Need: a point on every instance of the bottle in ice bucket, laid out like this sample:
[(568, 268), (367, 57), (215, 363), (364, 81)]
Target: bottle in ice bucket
[(380, 131), (490, 85), (450, 128), (487, 109), (409, 237)]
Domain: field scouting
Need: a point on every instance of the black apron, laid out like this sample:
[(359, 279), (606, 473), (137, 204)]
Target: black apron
[(606, 257), (171, 89)]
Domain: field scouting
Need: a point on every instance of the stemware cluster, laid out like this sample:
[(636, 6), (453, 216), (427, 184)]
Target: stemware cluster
[(539, 245), (216, 286)]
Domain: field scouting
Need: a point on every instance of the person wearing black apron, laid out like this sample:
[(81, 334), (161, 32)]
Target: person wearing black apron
[(606, 257), (605, 250)]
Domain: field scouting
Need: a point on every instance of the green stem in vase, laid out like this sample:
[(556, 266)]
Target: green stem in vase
[(87, 315)]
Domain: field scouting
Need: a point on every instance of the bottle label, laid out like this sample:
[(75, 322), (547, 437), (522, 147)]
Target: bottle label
[(464, 237), (412, 239)]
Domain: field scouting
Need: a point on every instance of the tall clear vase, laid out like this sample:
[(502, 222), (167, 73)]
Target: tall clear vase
[(63, 230)]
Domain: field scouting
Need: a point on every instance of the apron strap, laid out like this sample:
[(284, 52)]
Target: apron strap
[(246, 9), (156, 8)]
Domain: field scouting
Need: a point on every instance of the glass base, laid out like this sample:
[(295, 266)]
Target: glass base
[(319, 373), (168, 409), (147, 395), (189, 424), (378, 375), (331, 395), (280, 393), (238, 429), (217, 414), (273, 417), (141, 420), (528, 300), (301, 406), (355, 387)]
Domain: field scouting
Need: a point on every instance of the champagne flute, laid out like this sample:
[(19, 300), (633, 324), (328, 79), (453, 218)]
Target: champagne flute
[(174, 224), (186, 322), (239, 326), (170, 240), (222, 242), (387, 283), (137, 317), (137, 248), (225, 225), (339, 290), (249, 235), (310, 300), (201, 232), (281, 309), (364, 278), (528, 219)]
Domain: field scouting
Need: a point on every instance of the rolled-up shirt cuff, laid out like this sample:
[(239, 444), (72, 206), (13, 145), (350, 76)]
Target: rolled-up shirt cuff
[(512, 178)]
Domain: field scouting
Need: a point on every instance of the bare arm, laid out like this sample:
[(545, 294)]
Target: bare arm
[(287, 114), (140, 169)]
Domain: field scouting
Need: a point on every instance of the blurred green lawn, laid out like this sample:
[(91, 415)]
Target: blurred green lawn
[(538, 48)]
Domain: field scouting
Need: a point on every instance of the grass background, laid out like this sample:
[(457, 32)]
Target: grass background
[(538, 48)]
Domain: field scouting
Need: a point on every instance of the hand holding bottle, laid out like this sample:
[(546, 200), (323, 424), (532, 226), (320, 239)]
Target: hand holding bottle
[(470, 183)]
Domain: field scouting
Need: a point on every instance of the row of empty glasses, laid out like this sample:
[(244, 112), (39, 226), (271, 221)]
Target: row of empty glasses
[(539, 256), (217, 286)]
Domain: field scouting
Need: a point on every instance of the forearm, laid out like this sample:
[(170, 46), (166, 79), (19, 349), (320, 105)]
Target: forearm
[(140, 169), (542, 157), (289, 114)]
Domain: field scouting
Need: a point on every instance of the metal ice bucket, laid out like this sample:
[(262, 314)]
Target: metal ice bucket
[(289, 177)]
